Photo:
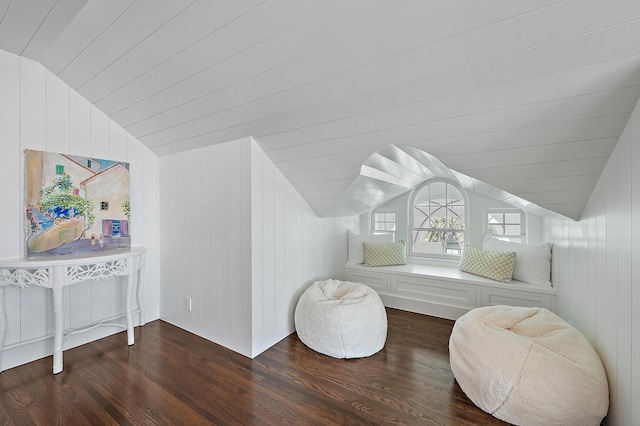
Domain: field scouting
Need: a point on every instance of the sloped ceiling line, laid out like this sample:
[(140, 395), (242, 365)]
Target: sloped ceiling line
[(392, 171)]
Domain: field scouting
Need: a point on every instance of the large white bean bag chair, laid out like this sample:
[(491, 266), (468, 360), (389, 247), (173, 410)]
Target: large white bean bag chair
[(527, 366), (341, 319)]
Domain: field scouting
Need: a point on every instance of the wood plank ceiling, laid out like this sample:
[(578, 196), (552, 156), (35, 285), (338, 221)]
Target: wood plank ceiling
[(529, 96)]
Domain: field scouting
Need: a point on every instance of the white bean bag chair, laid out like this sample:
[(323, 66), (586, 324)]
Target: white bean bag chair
[(341, 319), (527, 366)]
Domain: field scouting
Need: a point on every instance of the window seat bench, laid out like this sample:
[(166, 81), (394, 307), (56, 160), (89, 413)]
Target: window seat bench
[(444, 291)]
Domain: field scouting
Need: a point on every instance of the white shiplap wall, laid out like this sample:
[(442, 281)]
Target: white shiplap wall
[(241, 243), (38, 111), (596, 265)]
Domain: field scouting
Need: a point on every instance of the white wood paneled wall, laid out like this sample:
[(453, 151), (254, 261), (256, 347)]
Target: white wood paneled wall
[(241, 243), (204, 244), (292, 247), (39, 111), (596, 263)]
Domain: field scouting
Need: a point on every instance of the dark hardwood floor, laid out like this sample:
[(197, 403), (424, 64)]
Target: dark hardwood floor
[(172, 377)]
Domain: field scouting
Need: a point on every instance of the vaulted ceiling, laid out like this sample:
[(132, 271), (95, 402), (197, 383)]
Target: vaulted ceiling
[(529, 96)]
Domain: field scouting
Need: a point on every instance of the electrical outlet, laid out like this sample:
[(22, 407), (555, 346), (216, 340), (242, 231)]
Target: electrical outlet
[(187, 303)]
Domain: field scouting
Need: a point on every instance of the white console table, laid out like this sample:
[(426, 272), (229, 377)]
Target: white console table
[(56, 272)]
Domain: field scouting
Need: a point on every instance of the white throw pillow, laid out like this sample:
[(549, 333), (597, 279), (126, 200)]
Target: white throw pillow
[(533, 261), (355, 251)]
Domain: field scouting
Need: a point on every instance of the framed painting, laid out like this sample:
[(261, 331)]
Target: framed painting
[(75, 204)]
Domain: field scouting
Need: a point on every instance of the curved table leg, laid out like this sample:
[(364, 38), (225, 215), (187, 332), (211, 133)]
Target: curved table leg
[(128, 303), (139, 297)]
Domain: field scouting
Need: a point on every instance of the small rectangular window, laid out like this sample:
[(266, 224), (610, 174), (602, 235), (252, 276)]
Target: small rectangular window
[(508, 224), (383, 221), (59, 169)]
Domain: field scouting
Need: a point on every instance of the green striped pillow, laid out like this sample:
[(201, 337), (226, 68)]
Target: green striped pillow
[(384, 254), (494, 265)]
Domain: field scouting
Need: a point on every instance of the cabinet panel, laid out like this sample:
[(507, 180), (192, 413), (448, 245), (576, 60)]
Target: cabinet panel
[(378, 282), (444, 292), (516, 298)]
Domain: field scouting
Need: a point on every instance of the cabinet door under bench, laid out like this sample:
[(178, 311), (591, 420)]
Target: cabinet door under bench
[(490, 296), (433, 290), (378, 282)]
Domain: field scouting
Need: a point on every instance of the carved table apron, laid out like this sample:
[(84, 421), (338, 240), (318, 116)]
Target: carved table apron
[(60, 271)]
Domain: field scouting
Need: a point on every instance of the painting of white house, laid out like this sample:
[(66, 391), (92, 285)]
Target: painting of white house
[(75, 204)]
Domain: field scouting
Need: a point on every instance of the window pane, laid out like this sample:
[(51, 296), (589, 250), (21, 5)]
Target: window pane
[(390, 217), (391, 227), (419, 216), (456, 205), (426, 244), (460, 237), (453, 246), (438, 215), (454, 195), (496, 230), (456, 223), (422, 196), (438, 190), (512, 218), (378, 217), (512, 230), (457, 216), (496, 217), (379, 226)]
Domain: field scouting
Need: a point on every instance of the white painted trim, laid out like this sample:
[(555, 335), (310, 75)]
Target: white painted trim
[(446, 292)]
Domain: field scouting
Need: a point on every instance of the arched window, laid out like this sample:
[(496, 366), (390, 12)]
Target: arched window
[(437, 219)]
